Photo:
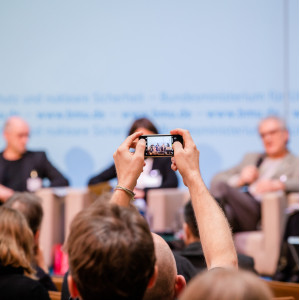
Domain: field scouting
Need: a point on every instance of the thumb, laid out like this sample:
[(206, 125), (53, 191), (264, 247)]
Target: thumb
[(140, 147), (177, 146)]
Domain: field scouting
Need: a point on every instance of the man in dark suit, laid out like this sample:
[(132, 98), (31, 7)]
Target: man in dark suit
[(20, 169)]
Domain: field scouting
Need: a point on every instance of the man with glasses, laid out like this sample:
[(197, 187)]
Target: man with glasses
[(239, 190)]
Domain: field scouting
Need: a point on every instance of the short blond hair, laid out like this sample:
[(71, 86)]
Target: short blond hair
[(226, 284), (280, 121), (16, 240)]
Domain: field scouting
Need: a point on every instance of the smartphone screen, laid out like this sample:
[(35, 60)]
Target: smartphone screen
[(160, 145)]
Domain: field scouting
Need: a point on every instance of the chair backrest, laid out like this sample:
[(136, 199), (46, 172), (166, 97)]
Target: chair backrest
[(54, 295), (284, 289), (58, 281), (165, 209), (100, 188)]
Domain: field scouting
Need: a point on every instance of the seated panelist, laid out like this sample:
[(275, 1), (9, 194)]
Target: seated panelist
[(157, 172), (21, 169), (240, 189)]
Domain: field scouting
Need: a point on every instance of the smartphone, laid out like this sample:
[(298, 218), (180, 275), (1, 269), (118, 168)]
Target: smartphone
[(160, 145)]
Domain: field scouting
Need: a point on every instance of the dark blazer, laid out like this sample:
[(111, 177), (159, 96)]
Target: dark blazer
[(31, 161), (185, 267), (44, 279), (194, 253), (162, 164), (15, 285)]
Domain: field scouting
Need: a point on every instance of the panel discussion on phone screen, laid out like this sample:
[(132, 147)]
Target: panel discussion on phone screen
[(142, 112), (159, 145)]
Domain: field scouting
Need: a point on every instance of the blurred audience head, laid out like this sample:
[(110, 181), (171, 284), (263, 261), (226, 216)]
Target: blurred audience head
[(16, 240), (16, 134), (190, 227), (144, 125), (274, 136), (111, 253), (226, 284), (168, 284), (30, 206)]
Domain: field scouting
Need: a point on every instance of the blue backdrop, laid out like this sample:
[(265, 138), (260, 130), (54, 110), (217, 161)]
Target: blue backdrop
[(81, 71)]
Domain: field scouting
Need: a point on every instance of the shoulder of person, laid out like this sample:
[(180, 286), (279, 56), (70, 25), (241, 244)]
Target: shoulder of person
[(38, 157), (35, 153), (38, 291), (292, 156), (252, 157), (31, 287)]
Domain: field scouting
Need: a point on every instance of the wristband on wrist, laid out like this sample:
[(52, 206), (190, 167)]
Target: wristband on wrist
[(127, 191)]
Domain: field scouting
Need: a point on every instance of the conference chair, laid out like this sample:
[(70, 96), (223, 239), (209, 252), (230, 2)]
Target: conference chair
[(54, 295), (60, 206), (284, 290), (165, 209), (264, 244), (52, 227)]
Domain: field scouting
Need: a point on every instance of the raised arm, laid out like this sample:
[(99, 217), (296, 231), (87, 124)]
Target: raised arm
[(215, 234), (129, 166)]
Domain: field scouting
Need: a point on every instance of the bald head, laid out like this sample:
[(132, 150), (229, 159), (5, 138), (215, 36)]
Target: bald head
[(16, 134), (14, 123), (164, 287)]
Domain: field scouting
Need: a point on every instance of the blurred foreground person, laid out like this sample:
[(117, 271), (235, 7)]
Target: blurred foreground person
[(16, 252), (21, 169), (215, 234), (30, 206), (111, 254), (240, 189), (110, 247), (226, 284), (168, 284)]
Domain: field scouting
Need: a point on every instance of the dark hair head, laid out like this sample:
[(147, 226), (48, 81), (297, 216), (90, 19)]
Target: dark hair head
[(190, 219), (111, 252), (30, 206), (142, 123)]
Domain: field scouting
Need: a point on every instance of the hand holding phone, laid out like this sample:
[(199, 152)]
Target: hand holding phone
[(186, 159), (160, 145), (129, 166)]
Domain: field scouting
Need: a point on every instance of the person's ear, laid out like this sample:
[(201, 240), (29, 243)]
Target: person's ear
[(153, 278), (187, 231), (72, 287), (180, 284), (37, 237)]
